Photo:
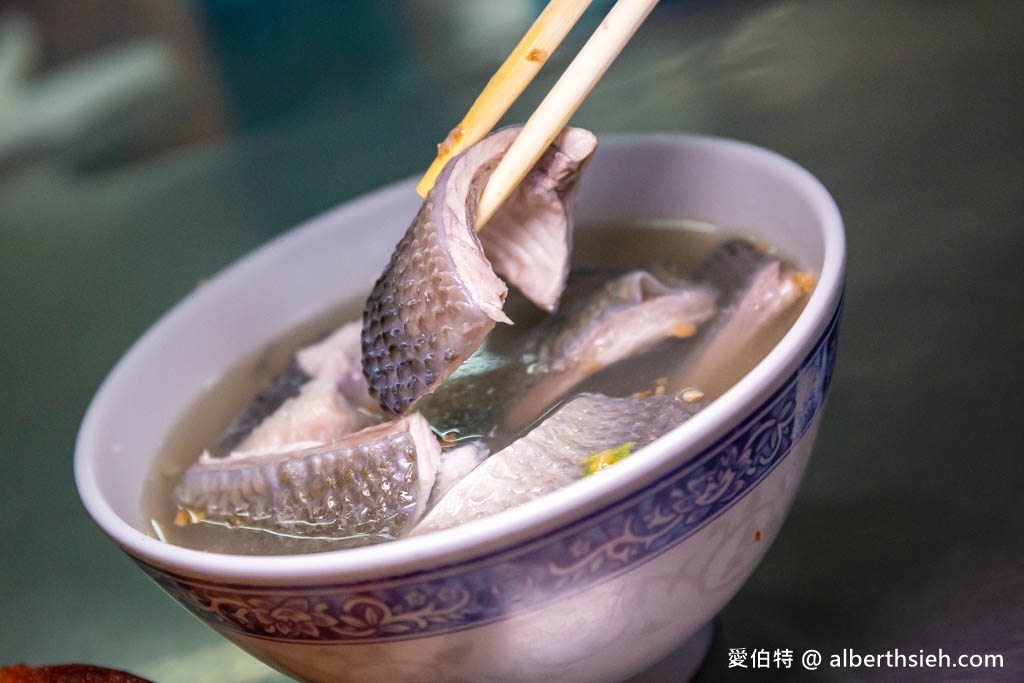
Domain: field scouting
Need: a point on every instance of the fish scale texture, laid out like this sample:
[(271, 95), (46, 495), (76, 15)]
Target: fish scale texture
[(441, 294), (368, 485), (553, 454), (419, 321)]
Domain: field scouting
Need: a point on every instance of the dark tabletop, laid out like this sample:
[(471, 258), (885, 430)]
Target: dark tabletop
[(146, 145)]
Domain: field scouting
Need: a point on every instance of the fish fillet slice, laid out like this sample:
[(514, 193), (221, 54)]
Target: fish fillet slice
[(552, 455), (439, 295), (529, 239), (376, 481), (320, 397), (285, 386), (601, 325), (621, 317), (760, 292), (319, 414), (624, 317), (339, 356)]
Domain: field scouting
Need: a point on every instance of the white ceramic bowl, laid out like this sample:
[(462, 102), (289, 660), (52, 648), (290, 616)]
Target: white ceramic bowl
[(594, 582)]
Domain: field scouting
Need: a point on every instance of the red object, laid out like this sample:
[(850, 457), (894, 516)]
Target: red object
[(66, 673)]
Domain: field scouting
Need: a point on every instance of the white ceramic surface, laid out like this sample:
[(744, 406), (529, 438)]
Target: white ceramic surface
[(594, 582)]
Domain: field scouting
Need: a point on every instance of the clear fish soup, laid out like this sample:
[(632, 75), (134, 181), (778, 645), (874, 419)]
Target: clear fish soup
[(608, 339)]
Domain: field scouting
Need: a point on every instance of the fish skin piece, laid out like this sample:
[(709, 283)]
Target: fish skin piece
[(529, 239), (472, 399), (623, 317), (374, 482), (608, 318), (286, 385), (275, 415), (552, 455), (758, 291), (732, 264), (319, 414), (439, 297)]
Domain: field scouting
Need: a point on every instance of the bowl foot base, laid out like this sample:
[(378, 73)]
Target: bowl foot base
[(683, 663)]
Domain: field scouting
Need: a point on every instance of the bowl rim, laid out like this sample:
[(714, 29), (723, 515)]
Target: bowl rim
[(480, 538)]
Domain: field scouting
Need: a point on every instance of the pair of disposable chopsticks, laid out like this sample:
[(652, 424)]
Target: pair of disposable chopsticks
[(557, 107)]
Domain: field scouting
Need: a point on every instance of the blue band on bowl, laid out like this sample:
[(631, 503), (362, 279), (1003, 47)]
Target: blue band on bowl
[(527, 576)]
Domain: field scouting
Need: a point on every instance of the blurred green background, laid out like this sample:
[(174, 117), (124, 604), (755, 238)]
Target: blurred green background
[(146, 144)]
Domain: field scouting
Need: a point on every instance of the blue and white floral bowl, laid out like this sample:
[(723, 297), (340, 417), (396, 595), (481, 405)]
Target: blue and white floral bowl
[(595, 582)]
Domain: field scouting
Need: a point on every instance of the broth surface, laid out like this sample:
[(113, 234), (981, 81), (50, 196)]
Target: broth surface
[(607, 250)]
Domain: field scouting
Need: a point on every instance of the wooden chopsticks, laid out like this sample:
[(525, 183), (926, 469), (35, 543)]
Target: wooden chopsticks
[(557, 107), (508, 82)]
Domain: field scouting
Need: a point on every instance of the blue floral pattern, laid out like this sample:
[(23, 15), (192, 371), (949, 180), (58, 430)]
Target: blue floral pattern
[(521, 578)]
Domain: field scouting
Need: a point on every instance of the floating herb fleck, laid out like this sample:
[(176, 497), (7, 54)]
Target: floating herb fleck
[(607, 458)]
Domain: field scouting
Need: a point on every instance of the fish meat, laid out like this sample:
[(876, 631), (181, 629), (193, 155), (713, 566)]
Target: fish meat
[(318, 414), (455, 464), (439, 295), (759, 292), (528, 240), (626, 316), (339, 356), (554, 454), (496, 395), (374, 482), (286, 385), (320, 397), (620, 318)]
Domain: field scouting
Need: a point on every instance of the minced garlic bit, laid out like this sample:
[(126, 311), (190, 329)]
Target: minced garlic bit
[(660, 385), (186, 517), (804, 280), (607, 458), (682, 330), (690, 395)]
